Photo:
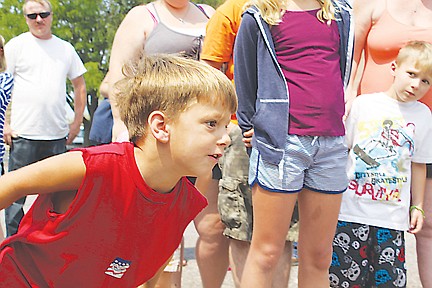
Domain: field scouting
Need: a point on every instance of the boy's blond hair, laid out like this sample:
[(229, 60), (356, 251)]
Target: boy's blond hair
[(272, 10), (418, 51), (169, 84), (2, 55), (42, 2)]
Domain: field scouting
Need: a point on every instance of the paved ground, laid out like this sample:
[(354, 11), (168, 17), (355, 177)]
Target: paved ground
[(191, 278)]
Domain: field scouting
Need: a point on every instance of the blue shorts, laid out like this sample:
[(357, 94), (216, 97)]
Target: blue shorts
[(314, 163)]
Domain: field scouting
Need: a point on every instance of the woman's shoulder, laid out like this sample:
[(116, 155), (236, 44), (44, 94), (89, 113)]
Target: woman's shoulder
[(207, 9)]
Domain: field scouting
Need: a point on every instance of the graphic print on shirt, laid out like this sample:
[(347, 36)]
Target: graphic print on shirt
[(118, 267), (381, 153)]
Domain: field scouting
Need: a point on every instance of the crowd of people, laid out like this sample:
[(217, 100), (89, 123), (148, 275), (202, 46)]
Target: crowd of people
[(313, 119)]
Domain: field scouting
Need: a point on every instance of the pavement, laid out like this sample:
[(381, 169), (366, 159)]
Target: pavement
[(191, 277)]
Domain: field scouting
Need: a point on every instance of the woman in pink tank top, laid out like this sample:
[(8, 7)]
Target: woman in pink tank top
[(382, 28)]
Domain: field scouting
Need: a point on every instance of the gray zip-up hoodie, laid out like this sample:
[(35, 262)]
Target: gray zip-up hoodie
[(261, 86)]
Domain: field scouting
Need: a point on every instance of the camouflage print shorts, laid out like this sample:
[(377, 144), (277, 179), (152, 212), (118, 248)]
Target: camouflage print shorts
[(235, 197)]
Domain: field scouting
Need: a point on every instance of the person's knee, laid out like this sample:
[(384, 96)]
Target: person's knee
[(267, 255), (210, 226), (316, 258)]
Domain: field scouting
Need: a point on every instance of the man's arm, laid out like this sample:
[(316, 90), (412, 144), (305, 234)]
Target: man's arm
[(80, 101), (418, 186), (43, 177)]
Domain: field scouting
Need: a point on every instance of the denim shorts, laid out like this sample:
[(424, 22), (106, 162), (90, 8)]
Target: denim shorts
[(315, 163)]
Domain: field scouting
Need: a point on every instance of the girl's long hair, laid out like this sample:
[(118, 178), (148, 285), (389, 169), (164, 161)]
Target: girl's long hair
[(272, 10)]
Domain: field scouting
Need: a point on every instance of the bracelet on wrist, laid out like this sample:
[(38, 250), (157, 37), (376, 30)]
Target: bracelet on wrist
[(414, 207)]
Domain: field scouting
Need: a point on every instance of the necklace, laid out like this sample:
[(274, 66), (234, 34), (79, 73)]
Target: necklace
[(182, 18)]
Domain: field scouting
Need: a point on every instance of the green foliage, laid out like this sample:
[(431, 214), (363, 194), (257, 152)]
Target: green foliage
[(89, 25)]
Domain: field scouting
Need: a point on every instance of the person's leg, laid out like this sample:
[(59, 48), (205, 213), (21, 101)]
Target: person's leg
[(24, 152), (154, 280), (238, 251), (1, 226), (318, 219), (272, 217), (235, 201), (211, 249), (424, 239), (171, 275)]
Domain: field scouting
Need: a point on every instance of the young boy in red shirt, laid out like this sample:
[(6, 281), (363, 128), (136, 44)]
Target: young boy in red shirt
[(112, 215)]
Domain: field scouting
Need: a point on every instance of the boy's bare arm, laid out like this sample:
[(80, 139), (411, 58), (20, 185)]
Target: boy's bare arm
[(418, 184), (58, 173)]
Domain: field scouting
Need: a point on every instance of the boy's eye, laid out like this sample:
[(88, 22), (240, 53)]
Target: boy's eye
[(211, 123), (412, 74), (426, 81)]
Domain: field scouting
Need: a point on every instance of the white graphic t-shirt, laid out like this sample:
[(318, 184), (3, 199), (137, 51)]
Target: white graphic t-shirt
[(384, 136)]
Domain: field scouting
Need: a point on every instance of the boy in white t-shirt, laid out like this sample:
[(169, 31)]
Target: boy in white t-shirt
[(389, 137)]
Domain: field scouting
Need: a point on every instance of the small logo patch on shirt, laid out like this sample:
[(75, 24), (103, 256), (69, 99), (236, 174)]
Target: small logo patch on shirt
[(118, 268)]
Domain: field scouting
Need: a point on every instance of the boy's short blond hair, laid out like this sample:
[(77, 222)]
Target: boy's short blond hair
[(169, 84), (42, 2), (418, 51)]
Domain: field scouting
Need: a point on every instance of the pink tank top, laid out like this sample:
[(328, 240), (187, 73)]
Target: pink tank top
[(385, 38)]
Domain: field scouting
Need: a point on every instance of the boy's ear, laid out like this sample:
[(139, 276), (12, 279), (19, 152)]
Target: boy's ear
[(158, 126), (393, 68)]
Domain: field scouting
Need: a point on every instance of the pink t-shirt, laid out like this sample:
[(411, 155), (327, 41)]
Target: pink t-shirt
[(308, 53)]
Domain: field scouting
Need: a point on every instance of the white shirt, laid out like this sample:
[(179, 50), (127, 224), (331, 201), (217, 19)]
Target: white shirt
[(384, 136), (40, 69)]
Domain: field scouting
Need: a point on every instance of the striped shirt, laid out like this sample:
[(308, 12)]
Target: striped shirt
[(6, 84)]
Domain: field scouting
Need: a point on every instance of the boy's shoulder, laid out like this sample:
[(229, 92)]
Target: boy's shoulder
[(119, 148)]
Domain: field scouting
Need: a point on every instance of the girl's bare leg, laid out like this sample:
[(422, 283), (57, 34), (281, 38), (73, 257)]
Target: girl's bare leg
[(318, 214), (272, 217)]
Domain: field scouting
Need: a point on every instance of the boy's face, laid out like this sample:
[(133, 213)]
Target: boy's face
[(410, 83), (198, 138)]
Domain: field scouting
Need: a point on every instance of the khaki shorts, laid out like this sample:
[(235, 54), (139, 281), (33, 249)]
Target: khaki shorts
[(235, 197)]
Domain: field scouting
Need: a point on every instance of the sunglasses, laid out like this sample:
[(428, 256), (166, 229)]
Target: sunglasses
[(43, 15)]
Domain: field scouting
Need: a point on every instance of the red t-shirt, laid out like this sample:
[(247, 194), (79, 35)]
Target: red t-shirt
[(116, 233)]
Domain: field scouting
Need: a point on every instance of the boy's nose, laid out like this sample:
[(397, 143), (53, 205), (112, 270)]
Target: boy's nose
[(415, 83), (225, 139)]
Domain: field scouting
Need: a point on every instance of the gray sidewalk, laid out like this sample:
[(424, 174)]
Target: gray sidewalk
[(191, 277)]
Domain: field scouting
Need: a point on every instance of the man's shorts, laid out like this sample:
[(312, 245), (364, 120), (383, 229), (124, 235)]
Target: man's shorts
[(235, 197), (315, 163), (367, 256)]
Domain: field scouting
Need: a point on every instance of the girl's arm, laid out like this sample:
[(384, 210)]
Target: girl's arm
[(418, 184), (58, 173), (245, 71)]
